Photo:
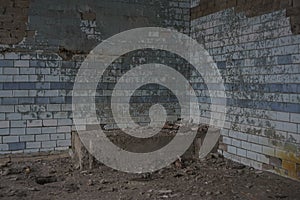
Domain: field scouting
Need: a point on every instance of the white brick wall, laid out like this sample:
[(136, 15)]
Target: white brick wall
[(260, 62)]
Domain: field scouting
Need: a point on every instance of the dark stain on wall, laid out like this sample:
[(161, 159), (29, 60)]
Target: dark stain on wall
[(13, 20)]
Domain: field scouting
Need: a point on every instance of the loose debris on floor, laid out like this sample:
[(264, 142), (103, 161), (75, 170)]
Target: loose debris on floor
[(213, 178)]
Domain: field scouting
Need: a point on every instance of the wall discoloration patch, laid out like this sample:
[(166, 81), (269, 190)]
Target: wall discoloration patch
[(13, 21)]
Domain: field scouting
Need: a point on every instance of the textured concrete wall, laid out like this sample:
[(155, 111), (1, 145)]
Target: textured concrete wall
[(258, 57), (42, 45)]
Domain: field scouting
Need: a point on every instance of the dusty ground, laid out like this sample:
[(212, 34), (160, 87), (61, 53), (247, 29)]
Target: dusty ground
[(215, 178)]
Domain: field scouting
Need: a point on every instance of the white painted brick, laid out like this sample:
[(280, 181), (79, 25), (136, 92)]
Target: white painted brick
[(27, 138), (21, 78), (63, 129), (31, 150), (251, 155), (255, 165), (10, 139), (4, 131), (57, 136), (3, 147), (295, 118), (236, 143), (21, 63), (6, 93), (12, 56), (13, 116), (54, 107), (33, 145), (51, 78), (34, 123), (50, 122), (18, 124), (46, 149), (253, 138), (4, 124), (241, 152), (10, 71), (227, 140), (17, 131), (49, 130), (256, 148), (5, 109), (68, 136), (268, 151), (33, 131), (67, 107), (61, 148), (28, 71), (6, 78), (61, 115), (63, 122), (263, 141), (63, 143), (262, 158), (23, 108), (295, 138), (48, 144), (20, 93), (281, 116), (231, 149), (44, 137), (246, 145)]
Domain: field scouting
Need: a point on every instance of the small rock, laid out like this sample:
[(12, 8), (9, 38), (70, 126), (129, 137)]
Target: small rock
[(103, 181), (6, 172), (27, 170), (90, 182), (165, 191)]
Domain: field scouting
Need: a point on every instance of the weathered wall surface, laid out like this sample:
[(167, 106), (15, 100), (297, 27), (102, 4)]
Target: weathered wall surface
[(42, 45), (257, 52)]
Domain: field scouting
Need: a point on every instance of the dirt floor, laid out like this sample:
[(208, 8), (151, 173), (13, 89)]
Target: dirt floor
[(215, 178)]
